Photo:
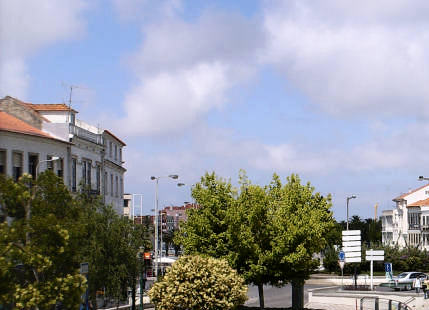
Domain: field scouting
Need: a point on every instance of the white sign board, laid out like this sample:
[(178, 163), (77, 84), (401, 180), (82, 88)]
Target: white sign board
[(353, 259), (84, 268), (351, 232), (375, 253), (351, 243), (375, 258), (352, 254), (351, 238), (352, 249)]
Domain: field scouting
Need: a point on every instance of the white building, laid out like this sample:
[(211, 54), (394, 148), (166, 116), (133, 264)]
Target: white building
[(90, 157), (408, 223)]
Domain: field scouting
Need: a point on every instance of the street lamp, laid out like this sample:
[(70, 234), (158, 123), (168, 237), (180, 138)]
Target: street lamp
[(54, 158), (174, 177), (348, 198), (422, 178)]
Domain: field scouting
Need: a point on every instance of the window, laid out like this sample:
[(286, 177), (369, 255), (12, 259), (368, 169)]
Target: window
[(72, 118), (3, 161), (120, 154), (105, 184), (33, 159), (98, 179), (88, 173), (116, 186), (121, 189), (60, 168), (17, 165), (83, 172), (116, 152), (110, 149), (73, 174), (111, 185)]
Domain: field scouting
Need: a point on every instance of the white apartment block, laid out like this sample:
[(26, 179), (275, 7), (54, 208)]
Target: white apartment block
[(89, 156), (408, 223)]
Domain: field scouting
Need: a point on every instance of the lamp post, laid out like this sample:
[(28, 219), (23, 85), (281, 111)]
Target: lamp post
[(54, 158), (174, 177), (422, 178), (348, 198)]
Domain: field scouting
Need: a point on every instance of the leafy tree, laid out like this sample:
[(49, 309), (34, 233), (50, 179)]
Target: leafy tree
[(301, 219), (38, 239), (268, 234), (199, 283)]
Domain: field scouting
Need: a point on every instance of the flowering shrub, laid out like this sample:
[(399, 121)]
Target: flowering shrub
[(196, 282)]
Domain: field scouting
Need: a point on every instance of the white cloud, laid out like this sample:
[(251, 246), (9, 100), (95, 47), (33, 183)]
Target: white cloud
[(367, 58), (185, 69), (25, 28)]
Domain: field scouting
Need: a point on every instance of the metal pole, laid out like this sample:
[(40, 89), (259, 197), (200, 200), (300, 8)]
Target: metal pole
[(141, 285), (156, 228), (141, 209), (348, 213)]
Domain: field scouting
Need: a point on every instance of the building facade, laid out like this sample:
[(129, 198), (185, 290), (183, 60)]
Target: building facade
[(90, 158), (407, 224)]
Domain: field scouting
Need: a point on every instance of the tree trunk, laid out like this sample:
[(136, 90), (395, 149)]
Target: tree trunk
[(133, 294), (297, 294), (261, 296)]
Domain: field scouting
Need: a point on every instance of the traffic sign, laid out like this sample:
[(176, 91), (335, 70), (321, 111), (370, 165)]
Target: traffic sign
[(375, 253), (353, 259), (353, 254), (341, 263), (341, 255), (351, 243), (351, 238), (352, 249), (351, 232), (374, 258), (388, 267)]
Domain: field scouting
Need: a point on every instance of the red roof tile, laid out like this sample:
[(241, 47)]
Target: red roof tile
[(50, 107), (13, 124), (424, 202), (409, 193)]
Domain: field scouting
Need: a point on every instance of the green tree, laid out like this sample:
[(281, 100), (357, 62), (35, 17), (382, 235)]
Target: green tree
[(301, 220), (38, 239), (268, 234), (199, 283)]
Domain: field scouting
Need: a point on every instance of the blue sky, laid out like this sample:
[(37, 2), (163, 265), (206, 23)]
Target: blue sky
[(335, 91)]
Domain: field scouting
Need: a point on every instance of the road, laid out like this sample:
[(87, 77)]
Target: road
[(275, 296)]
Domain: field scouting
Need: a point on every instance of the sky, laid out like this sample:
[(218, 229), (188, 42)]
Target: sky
[(333, 90)]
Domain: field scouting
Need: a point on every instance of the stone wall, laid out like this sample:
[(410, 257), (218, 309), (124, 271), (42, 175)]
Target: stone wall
[(19, 110)]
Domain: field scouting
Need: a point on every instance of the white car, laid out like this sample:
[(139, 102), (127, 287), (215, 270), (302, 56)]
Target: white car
[(406, 279)]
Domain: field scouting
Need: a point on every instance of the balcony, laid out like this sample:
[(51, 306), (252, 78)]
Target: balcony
[(414, 227), (86, 134), (425, 228)]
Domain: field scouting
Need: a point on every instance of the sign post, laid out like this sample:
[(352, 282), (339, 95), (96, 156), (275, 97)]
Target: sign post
[(84, 270), (341, 257), (372, 256), (352, 248)]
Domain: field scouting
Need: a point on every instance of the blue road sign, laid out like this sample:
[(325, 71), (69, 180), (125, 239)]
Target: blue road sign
[(341, 255), (388, 267)]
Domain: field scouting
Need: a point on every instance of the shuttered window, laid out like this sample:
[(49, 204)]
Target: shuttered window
[(3, 161), (16, 165)]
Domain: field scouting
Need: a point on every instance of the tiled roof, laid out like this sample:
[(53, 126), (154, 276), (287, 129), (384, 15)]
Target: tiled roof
[(108, 132), (13, 124), (424, 202), (409, 193), (50, 107)]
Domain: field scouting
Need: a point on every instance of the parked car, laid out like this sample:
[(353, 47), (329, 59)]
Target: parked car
[(406, 279)]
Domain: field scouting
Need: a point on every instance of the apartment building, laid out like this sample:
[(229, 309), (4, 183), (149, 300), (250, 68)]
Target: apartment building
[(407, 224), (90, 158)]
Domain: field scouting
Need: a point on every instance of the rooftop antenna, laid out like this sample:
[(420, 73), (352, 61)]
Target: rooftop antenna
[(70, 98)]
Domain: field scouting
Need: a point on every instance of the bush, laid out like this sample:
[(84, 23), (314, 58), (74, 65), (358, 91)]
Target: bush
[(196, 282)]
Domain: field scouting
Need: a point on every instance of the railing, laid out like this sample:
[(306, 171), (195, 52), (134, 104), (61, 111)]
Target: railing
[(414, 226), (86, 134), (376, 303)]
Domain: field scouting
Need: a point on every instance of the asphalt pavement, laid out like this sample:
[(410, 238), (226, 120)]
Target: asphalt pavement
[(276, 296)]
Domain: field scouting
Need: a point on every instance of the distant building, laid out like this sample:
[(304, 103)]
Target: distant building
[(408, 223), (32, 134), (172, 216)]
